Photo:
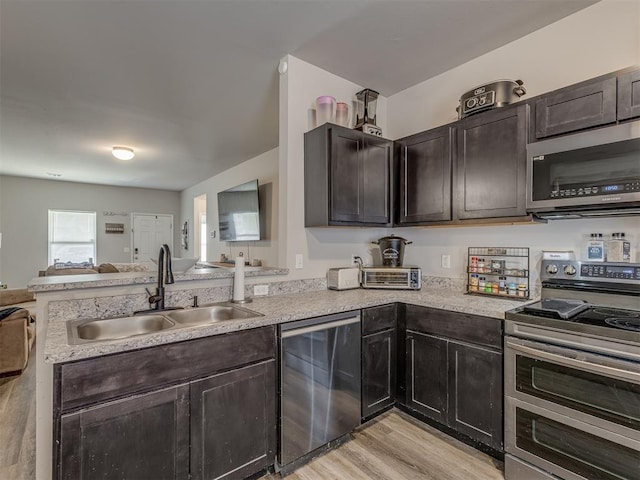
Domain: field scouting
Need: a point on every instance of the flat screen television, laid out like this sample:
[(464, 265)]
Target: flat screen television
[(239, 213)]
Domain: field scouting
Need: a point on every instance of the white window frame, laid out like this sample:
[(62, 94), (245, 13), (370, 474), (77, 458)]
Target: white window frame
[(50, 241)]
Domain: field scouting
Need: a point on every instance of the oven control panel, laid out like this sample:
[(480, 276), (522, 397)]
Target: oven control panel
[(601, 271)]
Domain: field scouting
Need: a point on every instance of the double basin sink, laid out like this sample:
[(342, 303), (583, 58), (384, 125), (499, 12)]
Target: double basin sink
[(98, 330)]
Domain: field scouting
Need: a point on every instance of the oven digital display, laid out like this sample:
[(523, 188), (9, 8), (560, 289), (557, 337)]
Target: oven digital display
[(622, 270), (611, 188)]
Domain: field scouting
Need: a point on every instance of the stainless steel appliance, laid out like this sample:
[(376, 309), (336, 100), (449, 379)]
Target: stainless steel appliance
[(394, 278), (489, 96), (344, 278), (320, 384), (595, 173), (572, 375)]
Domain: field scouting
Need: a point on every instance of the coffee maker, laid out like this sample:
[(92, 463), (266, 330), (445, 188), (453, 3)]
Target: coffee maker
[(366, 102)]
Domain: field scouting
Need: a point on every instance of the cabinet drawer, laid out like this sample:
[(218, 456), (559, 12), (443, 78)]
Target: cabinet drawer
[(95, 380), (459, 326), (375, 319)]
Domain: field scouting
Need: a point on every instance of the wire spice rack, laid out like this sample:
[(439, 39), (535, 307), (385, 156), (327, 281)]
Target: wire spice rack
[(498, 272)]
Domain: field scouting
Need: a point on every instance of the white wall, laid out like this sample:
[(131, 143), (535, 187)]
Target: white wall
[(597, 40), (264, 167), (571, 50), (321, 248), (24, 205), (594, 41)]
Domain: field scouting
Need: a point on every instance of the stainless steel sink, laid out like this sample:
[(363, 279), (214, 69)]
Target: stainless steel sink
[(83, 331), (211, 314), (88, 331)]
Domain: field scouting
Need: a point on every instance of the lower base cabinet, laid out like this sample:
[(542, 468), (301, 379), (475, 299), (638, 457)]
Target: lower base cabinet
[(232, 423), (427, 378), (451, 379), (218, 424), (378, 371), (379, 358), (144, 436), (475, 403)]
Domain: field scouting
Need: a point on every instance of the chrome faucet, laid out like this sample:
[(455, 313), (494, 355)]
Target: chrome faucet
[(165, 277)]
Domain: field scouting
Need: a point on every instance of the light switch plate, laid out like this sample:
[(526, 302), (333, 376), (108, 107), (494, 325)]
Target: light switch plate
[(299, 261), (446, 261)]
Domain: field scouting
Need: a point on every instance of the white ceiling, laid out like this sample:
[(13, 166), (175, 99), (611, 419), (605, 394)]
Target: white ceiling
[(192, 85)]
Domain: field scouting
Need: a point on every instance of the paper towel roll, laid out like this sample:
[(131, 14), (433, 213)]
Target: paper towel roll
[(238, 280)]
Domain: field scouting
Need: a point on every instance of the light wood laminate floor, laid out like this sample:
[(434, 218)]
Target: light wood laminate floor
[(396, 446), (18, 424)]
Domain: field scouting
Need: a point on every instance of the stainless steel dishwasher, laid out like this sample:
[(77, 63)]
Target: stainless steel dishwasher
[(319, 384)]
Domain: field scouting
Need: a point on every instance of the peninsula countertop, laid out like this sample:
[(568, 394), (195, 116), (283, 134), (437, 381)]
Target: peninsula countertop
[(73, 282), (280, 309)]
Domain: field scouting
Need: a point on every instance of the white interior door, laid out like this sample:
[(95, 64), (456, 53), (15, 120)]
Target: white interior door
[(150, 231)]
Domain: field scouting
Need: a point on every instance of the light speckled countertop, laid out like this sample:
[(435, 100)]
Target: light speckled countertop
[(280, 309), (72, 282)]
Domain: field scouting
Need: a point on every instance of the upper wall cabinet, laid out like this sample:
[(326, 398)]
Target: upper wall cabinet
[(490, 164), (629, 95), (425, 177), (593, 103), (584, 105), (347, 178)]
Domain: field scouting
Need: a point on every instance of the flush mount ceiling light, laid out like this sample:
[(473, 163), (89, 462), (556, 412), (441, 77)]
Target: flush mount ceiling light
[(123, 153)]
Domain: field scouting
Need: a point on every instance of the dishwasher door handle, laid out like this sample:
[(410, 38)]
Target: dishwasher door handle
[(319, 326)]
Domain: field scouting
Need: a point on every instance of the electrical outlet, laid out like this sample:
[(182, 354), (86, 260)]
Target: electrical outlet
[(260, 290), (446, 261), (353, 259), (299, 261)]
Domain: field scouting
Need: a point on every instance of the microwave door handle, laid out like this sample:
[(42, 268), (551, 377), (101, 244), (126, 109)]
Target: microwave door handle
[(610, 371)]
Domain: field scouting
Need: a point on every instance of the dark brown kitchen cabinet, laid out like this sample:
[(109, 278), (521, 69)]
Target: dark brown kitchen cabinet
[(144, 436), (233, 423), (427, 375), (583, 105), (379, 353), (169, 412), (378, 371), (347, 178), (629, 95), (425, 176), (490, 164), (454, 371), (475, 402)]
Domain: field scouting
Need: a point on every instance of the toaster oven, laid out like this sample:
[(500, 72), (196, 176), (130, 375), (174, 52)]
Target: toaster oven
[(399, 278)]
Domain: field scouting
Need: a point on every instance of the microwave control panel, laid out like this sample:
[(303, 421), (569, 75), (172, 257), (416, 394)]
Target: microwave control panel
[(609, 189)]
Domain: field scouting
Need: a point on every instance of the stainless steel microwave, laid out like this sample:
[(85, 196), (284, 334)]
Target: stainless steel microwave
[(595, 173)]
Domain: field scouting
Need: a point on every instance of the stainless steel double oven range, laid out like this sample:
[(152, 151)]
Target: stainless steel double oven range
[(572, 375)]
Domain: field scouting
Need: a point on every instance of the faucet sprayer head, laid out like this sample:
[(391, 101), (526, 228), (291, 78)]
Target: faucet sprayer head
[(168, 271)]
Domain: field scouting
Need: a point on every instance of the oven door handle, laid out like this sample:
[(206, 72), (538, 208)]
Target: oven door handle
[(630, 371)]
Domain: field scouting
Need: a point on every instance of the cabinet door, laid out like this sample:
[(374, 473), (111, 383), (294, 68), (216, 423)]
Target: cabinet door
[(475, 401), (427, 380), (375, 181), (145, 436), (629, 95), (378, 371), (233, 423), (425, 177), (346, 175), (491, 164), (588, 104)]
